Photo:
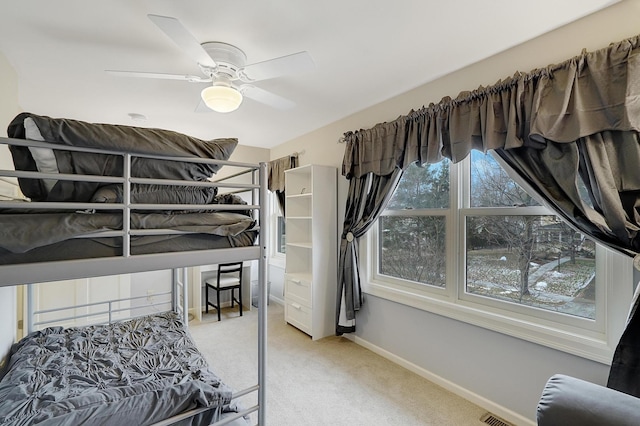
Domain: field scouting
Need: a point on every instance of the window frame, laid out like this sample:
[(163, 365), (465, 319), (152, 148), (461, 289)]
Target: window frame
[(591, 339)]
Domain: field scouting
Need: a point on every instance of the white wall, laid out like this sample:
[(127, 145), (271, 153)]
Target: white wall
[(505, 371), (8, 109)]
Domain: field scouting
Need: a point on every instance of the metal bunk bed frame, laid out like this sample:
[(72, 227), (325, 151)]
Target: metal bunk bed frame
[(20, 274)]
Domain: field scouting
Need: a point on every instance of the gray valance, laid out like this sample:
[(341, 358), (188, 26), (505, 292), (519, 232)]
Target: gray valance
[(275, 176), (587, 94), (276, 169)]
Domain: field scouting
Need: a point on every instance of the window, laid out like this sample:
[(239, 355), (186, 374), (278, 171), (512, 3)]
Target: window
[(467, 241), (277, 244), (281, 241)]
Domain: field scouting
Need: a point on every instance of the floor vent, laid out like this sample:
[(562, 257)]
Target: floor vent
[(493, 420)]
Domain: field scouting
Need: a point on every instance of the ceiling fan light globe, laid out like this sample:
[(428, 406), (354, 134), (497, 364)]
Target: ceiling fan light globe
[(221, 98)]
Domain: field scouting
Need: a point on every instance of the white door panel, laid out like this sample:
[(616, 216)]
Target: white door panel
[(81, 294)]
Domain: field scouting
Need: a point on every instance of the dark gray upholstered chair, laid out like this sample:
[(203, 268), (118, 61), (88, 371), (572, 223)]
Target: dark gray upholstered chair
[(567, 401), (229, 277)]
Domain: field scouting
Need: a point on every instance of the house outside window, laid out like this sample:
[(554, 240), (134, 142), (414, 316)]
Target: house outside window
[(467, 241)]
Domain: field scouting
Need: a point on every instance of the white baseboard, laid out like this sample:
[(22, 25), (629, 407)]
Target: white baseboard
[(473, 397), (276, 300)]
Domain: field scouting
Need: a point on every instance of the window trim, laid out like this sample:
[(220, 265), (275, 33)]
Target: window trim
[(590, 339)]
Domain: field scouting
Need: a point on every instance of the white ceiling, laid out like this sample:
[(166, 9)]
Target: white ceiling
[(365, 51)]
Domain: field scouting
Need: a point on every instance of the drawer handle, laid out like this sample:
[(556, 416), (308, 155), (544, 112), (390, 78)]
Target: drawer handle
[(296, 281), (295, 305)]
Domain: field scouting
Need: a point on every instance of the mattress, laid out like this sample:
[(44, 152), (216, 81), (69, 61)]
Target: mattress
[(138, 371)]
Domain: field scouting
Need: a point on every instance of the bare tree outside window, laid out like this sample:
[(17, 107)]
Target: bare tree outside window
[(422, 187), (528, 259), (412, 247)]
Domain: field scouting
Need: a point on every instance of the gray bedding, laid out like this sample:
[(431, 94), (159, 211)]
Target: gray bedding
[(117, 138), (131, 373), (24, 230), (21, 230)]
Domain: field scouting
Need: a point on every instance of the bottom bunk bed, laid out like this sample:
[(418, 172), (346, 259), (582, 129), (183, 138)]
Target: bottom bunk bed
[(140, 371)]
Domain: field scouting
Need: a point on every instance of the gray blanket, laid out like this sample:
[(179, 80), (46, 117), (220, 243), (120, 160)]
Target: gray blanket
[(131, 373), (20, 232)]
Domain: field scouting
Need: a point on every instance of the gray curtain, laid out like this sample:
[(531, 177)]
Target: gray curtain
[(577, 120), (275, 173), (608, 164), (368, 195)]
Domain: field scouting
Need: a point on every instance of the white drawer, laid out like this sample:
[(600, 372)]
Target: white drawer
[(298, 315), (298, 290)]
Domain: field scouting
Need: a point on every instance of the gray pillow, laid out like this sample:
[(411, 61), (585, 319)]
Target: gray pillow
[(112, 137)]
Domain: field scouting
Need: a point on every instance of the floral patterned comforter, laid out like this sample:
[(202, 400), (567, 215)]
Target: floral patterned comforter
[(134, 372)]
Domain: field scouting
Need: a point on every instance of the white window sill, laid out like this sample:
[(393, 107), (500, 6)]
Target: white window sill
[(278, 261)]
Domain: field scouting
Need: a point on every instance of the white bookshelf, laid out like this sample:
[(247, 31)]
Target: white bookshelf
[(311, 238)]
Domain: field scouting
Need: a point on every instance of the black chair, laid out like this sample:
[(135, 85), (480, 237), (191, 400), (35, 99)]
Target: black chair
[(229, 277)]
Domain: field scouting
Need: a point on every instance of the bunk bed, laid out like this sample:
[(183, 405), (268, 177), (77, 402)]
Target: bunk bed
[(107, 199)]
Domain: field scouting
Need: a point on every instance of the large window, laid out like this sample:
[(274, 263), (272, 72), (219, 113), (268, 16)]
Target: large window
[(467, 241)]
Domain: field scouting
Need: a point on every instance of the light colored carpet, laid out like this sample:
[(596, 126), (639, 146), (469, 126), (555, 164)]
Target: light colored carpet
[(332, 381)]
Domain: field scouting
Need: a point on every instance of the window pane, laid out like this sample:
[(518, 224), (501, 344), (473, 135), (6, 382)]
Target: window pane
[(281, 244), (533, 260), (492, 187), (425, 187), (413, 248)]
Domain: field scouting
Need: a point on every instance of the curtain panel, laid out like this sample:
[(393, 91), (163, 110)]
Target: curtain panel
[(275, 176), (577, 120), (367, 198)]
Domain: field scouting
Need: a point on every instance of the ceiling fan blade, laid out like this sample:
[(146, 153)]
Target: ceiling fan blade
[(266, 97), (285, 65), (163, 76), (183, 38)]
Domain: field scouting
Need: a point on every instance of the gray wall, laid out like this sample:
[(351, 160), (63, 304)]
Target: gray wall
[(499, 368)]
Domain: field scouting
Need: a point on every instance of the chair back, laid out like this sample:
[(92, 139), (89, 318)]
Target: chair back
[(230, 268)]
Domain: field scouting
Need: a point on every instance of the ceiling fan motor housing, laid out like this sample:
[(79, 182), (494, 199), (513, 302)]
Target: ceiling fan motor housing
[(228, 58)]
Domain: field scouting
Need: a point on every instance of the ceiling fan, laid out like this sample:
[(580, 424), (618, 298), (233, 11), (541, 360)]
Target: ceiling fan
[(224, 66)]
